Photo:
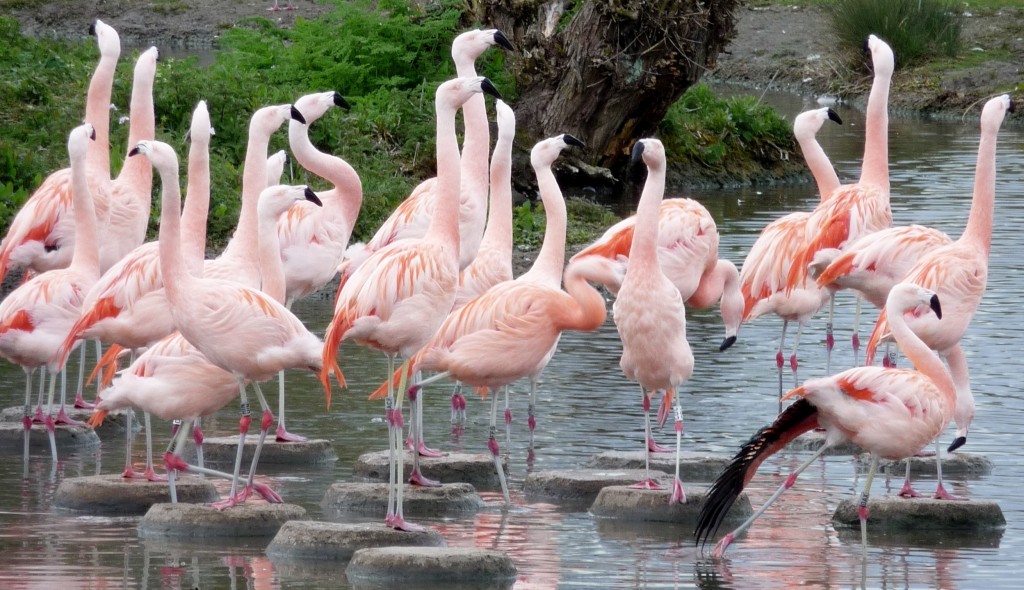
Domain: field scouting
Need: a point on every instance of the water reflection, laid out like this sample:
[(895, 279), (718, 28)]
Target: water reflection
[(587, 406)]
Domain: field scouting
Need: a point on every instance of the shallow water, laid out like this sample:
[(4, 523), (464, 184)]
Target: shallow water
[(587, 406)]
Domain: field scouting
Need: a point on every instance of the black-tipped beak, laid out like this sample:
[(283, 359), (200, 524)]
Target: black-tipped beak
[(1012, 107), (934, 303), (489, 88), (727, 343), (570, 140), (503, 41), (298, 116), (92, 29), (834, 116), (638, 152), (134, 151), (92, 135), (956, 444), (341, 102), (312, 198)]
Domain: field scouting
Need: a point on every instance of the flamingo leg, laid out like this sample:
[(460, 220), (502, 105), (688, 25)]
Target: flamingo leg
[(197, 437), (282, 434), (855, 338), (243, 428), (79, 399), (398, 521), (129, 471), (266, 420), (149, 473), (792, 358), (62, 414), (940, 490), (492, 445), (508, 423), (50, 424), (99, 382), (458, 405), (416, 477), (907, 491), (678, 495), (531, 420), (725, 541), (389, 416), (862, 506), (26, 418), (780, 359), (830, 339), (38, 416), (647, 483), (421, 447)]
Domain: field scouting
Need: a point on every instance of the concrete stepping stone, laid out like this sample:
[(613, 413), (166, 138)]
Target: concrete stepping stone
[(954, 465), (200, 521), (113, 424), (12, 437), (114, 495), (692, 466), (371, 499), (583, 485), (448, 567), (222, 449), (895, 513), (652, 505), (812, 441), (313, 540), (472, 468)]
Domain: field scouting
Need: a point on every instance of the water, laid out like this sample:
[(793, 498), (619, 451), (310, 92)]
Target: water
[(587, 406)]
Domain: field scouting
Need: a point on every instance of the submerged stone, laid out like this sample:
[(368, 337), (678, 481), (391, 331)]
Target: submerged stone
[(113, 424), (389, 566), (472, 468), (895, 513), (12, 437), (652, 505), (312, 540), (692, 466), (222, 449), (115, 495), (370, 499), (955, 465), (812, 441), (583, 485), (252, 519)]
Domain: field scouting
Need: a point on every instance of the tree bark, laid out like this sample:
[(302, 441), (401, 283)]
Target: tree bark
[(606, 71)]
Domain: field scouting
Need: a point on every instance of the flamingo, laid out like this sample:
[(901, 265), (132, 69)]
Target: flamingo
[(397, 299), (503, 300), (958, 272), (239, 329), (688, 255), (35, 316), (854, 210), (764, 270), (891, 413), (413, 216), (42, 234), (313, 238), (649, 313)]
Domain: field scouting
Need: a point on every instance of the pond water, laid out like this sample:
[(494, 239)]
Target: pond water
[(587, 406)]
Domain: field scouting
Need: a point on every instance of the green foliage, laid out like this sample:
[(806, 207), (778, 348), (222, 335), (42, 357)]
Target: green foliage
[(915, 29), (708, 130), (586, 219)]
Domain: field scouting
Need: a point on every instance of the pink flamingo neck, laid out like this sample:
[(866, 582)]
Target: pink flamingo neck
[(85, 257), (172, 265), (197, 195), (805, 128), (498, 235), (97, 107), (444, 225), (978, 231), (550, 261), (875, 170), (589, 312), (271, 265), (476, 140), (643, 251), (917, 352), (141, 125), (343, 202)]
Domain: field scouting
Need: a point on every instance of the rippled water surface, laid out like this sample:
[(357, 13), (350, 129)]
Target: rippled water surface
[(587, 406)]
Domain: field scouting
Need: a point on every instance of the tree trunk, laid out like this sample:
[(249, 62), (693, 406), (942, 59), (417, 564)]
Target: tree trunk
[(606, 71)]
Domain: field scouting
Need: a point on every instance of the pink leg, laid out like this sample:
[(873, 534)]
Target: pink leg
[(282, 434), (652, 446), (648, 483)]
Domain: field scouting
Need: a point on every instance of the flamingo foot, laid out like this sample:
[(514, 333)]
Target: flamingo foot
[(130, 473), (151, 475), (721, 546), (266, 493), (908, 492), (424, 450), (283, 435), (63, 418), (416, 478), (647, 484), (508, 416), (678, 495), (656, 448), (81, 404), (173, 462), (39, 417), (399, 524), (233, 501), (942, 494)]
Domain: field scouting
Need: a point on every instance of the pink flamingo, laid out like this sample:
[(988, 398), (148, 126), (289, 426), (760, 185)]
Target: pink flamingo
[(852, 211), (42, 234), (313, 238), (413, 216), (398, 298), (958, 272), (891, 413), (766, 268), (239, 329), (649, 312), (688, 255), (506, 298), (35, 316)]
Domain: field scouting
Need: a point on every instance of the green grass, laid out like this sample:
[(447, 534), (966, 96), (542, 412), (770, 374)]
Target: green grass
[(968, 5), (917, 30)]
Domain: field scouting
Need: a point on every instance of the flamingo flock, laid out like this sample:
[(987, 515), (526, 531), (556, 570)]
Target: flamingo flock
[(436, 289)]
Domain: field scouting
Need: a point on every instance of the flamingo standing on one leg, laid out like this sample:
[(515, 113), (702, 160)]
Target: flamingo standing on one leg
[(891, 413), (35, 317), (766, 268), (958, 272), (397, 299), (649, 312), (312, 238), (239, 329)]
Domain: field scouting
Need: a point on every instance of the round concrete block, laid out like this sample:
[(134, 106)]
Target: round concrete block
[(114, 495), (254, 519), (308, 539), (472, 468), (12, 437), (954, 465), (652, 505), (692, 466), (583, 485), (371, 499), (812, 441), (316, 451), (895, 513), (113, 424), (389, 566)]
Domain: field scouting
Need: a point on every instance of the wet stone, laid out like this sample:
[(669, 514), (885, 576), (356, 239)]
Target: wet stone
[(583, 485), (812, 441), (313, 540), (388, 566), (652, 505), (115, 495), (895, 513), (113, 424), (222, 450), (692, 466), (954, 465), (12, 437), (370, 499), (472, 468), (200, 521)]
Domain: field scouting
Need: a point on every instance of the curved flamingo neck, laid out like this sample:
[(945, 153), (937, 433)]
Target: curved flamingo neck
[(444, 225), (923, 358), (713, 284), (590, 311), (344, 201), (97, 112), (551, 259), (498, 235), (817, 161), (271, 265), (244, 243), (978, 231), (643, 252), (86, 256), (138, 172), (475, 142), (197, 207), (172, 265), (875, 170)]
